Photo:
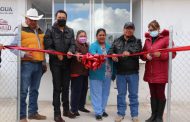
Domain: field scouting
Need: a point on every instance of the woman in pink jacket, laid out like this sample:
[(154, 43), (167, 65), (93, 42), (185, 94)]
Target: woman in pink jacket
[(156, 68)]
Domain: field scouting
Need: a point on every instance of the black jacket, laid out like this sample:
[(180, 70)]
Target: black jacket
[(126, 65), (57, 40)]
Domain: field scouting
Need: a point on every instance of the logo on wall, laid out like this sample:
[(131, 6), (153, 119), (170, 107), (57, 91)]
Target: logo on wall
[(4, 26), (6, 10)]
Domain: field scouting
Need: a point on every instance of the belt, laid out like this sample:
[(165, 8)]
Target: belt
[(32, 61)]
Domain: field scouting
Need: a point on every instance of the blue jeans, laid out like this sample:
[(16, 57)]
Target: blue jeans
[(132, 83), (31, 74), (99, 92)]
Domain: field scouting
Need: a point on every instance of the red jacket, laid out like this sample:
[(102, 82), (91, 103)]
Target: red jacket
[(156, 70)]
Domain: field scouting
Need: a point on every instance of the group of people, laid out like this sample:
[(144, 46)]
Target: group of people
[(66, 69)]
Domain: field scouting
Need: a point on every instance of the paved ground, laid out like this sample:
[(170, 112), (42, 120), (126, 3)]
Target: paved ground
[(8, 113), (180, 110), (47, 109), (180, 113)]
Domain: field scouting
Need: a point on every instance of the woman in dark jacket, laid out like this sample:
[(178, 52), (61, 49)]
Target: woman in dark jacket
[(156, 68), (79, 76)]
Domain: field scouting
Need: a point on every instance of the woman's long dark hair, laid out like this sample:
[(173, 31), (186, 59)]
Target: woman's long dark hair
[(99, 30)]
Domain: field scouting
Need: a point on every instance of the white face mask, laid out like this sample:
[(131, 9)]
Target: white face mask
[(154, 33)]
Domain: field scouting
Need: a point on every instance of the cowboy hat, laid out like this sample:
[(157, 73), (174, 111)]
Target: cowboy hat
[(32, 14)]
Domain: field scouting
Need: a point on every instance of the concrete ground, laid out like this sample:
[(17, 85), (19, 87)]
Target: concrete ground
[(180, 107), (47, 109), (180, 113)]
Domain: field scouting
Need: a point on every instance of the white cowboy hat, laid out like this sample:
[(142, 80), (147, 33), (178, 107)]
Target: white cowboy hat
[(32, 14)]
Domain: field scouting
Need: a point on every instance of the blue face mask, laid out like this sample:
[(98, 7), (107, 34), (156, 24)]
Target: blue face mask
[(154, 33)]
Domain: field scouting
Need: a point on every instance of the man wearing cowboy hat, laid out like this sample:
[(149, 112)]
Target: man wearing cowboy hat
[(32, 65)]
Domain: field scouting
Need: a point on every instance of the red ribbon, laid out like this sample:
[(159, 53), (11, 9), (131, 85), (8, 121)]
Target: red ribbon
[(95, 61), (35, 50)]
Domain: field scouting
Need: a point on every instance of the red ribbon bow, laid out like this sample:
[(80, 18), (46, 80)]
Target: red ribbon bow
[(93, 62)]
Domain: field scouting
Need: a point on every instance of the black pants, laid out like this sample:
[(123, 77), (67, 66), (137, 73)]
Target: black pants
[(79, 88), (61, 82), (157, 90)]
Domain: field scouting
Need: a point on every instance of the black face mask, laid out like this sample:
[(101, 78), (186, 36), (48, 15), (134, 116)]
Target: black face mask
[(61, 22)]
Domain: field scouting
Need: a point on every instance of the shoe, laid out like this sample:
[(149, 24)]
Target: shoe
[(23, 120), (158, 120), (154, 105), (84, 110), (58, 119), (119, 118), (98, 117), (105, 114), (160, 111), (69, 114), (37, 117), (76, 114), (135, 119)]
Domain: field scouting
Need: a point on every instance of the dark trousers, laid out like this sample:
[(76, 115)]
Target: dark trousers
[(79, 88), (157, 90), (61, 82)]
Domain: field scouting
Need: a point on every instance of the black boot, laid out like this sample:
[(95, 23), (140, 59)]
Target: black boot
[(160, 112), (154, 107)]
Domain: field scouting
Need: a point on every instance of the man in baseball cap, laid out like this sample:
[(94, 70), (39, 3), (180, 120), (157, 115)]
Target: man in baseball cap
[(129, 25), (127, 71)]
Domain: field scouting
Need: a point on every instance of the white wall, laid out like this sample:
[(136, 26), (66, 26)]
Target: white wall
[(22, 7), (8, 70), (168, 13), (173, 13), (136, 17)]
